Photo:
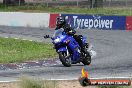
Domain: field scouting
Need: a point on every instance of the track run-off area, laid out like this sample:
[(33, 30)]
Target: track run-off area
[(113, 59)]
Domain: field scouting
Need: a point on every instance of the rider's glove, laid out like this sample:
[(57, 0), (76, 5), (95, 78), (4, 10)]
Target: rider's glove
[(71, 32)]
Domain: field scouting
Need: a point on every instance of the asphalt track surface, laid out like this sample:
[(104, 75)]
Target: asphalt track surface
[(114, 55)]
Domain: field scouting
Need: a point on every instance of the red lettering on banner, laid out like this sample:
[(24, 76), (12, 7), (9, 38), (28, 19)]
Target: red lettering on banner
[(129, 23), (52, 22)]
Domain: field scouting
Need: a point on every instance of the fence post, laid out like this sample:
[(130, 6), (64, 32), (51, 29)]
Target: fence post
[(47, 4), (92, 3), (109, 3), (5, 2), (19, 2), (126, 3), (77, 3)]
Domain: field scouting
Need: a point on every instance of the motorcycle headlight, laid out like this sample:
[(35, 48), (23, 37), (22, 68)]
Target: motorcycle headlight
[(57, 40)]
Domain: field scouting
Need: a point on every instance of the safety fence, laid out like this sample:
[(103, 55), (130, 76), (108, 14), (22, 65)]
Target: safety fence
[(117, 3), (48, 3), (77, 3)]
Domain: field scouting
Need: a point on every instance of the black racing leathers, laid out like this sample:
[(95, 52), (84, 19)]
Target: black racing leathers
[(67, 29)]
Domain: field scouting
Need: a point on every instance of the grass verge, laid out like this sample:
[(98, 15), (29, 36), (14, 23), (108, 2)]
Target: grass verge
[(12, 50), (26, 82), (41, 8)]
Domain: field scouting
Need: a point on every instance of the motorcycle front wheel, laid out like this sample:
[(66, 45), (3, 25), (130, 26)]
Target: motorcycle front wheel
[(65, 59)]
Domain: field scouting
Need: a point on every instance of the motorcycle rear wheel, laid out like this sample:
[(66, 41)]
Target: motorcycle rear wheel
[(66, 60), (87, 58)]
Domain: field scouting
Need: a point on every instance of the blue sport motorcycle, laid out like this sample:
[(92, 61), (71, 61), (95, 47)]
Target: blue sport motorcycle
[(69, 50)]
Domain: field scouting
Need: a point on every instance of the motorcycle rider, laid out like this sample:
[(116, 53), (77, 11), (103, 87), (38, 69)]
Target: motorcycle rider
[(61, 23)]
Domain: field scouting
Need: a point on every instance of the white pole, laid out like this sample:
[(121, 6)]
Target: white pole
[(47, 4), (19, 2), (77, 3), (126, 3)]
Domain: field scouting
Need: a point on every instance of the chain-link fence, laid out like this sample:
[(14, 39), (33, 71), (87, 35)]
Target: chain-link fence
[(117, 3), (48, 3), (71, 3), (57, 3)]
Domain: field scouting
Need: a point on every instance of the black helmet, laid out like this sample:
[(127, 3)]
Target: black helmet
[(60, 21)]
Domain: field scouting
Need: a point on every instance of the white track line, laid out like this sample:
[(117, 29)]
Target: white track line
[(113, 78), (24, 39), (30, 40), (74, 79), (9, 81), (19, 38), (16, 38), (6, 37)]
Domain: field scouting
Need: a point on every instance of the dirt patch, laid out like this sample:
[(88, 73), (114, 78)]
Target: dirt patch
[(71, 84), (61, 84), (9, 85)]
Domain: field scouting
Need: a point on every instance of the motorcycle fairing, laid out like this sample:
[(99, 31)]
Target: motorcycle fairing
[(62, 49)]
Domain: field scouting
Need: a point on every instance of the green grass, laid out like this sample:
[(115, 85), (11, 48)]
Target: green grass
[(42, 8), (26, 82), (12, 50)]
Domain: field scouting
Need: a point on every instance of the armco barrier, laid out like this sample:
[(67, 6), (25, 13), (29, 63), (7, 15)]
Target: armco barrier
[(24, 19), (129, 23)]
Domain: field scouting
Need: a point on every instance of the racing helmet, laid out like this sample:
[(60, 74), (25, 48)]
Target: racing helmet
[(60, 21)]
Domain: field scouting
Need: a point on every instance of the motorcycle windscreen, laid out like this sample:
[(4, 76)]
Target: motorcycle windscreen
[(58, 32)]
